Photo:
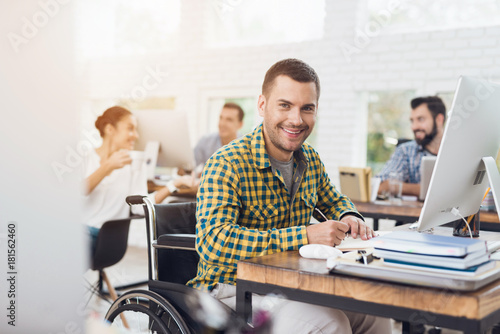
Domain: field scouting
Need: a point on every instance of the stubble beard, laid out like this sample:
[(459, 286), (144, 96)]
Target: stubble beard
[(280, 143)]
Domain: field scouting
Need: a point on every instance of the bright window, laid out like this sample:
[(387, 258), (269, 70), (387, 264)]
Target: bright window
[(400, 16), (126, 27), (388, 121), (260, 22), (248, 104)]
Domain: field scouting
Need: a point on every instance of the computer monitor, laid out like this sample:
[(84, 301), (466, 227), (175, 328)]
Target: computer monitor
[(169, 129), (465, 164)]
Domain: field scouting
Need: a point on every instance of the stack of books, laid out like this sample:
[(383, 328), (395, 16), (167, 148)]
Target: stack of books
[(433, 253)]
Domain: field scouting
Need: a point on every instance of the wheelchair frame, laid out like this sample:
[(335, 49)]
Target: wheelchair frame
[(167, 307)]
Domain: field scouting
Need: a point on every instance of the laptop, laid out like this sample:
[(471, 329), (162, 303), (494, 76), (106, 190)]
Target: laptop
[(426, 168)]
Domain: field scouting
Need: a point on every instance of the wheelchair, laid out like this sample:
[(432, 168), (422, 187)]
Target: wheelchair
[(168, 305)]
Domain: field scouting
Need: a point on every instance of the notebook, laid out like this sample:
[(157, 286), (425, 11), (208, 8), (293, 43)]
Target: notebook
[(426, 168), (429, 244)]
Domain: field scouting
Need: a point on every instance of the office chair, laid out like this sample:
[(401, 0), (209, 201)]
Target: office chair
[(402, 141), (110, 248)]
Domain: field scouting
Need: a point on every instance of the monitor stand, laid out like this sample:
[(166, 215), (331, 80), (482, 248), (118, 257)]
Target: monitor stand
[(494, 179)]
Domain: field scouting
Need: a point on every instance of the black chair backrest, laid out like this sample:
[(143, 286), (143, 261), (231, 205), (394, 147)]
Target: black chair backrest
[(402, 141), (176, 265), (111, 244), (174, 218)]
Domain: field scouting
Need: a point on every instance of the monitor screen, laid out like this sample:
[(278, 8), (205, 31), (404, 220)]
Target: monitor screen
[(460, 179), (170, 129)]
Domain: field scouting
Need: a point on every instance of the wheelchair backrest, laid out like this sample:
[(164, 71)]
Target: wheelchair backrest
[(176, 264)]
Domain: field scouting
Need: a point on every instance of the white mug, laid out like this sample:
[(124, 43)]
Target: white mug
[(137, 159)]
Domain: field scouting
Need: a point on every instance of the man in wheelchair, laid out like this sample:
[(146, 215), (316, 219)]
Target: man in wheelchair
[(257, 196)]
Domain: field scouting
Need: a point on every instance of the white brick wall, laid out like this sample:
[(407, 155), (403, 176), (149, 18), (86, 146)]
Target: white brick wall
[(426, 62)]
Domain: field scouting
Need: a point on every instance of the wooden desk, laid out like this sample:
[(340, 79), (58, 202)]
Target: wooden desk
[(409, 211), (308, 280), (188, 193)]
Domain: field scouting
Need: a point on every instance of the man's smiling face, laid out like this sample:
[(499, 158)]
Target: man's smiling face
[(289, 113)]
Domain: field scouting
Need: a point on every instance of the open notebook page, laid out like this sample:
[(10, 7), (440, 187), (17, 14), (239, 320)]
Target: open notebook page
[(349, 243)]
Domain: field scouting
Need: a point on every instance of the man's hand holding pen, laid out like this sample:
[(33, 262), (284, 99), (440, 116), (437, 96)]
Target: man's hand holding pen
[(332, 232)]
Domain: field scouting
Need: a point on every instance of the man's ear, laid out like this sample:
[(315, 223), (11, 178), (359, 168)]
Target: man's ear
[(440, 120), (261, 103)]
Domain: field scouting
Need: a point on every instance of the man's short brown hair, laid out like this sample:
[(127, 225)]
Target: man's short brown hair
[(232, 105), (295, 69)]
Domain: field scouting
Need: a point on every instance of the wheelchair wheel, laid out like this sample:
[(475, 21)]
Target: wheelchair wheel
[(146, 312)]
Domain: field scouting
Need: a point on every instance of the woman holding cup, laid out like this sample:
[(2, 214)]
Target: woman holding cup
[(114, 171)]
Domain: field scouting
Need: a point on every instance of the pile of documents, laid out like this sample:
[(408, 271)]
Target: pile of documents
[(433, 253)]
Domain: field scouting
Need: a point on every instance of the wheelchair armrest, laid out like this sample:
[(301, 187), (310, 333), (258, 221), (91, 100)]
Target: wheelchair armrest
[(176, 241)]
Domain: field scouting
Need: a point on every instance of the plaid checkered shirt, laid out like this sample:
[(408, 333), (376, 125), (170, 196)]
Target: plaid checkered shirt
[(406, 160), (244, 209)]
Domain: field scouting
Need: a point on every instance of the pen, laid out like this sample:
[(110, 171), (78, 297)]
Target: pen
[(324, 217), (321, 213)]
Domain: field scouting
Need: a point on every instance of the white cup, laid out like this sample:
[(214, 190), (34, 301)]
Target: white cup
[(137, 159)]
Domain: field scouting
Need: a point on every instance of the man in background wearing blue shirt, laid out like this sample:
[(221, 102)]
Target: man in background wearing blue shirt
[(230, 122), (427, 123)]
